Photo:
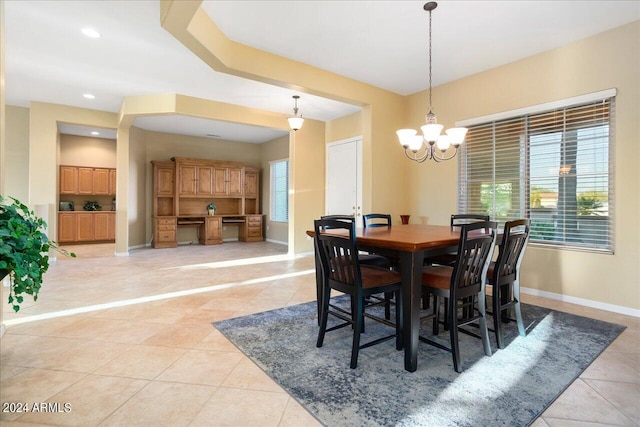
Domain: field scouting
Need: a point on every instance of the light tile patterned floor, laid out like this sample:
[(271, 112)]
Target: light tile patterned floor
[(158, 361)]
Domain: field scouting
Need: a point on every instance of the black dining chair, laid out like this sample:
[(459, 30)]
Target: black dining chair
[(463, 286), (456, 221), (376, 220), (504, 276), (367, 259), (342, 271)]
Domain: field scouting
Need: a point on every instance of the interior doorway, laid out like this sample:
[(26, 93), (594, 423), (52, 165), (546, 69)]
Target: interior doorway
[(344, 178)]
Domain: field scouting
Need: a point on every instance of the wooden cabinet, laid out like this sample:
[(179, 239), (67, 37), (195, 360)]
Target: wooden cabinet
[(85, 227), (228, 182), (250, 183), (68, 180), (252, 230), (104, 226), (67, 227), (196, 180), (211, 231), (85, 181), (77, 180), (101, 182), (163, 188), (113, 182), (165, 232)]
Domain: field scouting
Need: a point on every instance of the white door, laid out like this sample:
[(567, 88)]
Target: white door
[(344, 179)]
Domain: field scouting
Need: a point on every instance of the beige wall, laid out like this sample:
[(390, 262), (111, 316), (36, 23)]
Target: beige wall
[(276, 149), (607, 60), (344, 127), (86, 151), (139, 189), (16, 153)]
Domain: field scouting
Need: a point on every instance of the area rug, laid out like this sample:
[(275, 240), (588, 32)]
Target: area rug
[(510, 388)]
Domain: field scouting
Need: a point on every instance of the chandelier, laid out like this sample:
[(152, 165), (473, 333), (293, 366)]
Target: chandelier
[(422, 147), (296, 121)]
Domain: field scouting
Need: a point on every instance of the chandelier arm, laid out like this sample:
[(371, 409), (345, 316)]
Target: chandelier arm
[(440, 158)]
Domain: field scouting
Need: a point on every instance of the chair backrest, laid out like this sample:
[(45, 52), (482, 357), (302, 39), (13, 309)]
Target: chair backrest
[(338, 253), (376, 220), (459, 219), (511, 251), (343, 218), (477, 241)]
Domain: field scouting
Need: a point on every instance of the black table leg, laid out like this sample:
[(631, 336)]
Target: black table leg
[(411, 270)]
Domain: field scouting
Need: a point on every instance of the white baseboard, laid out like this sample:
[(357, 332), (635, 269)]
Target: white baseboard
[(3, 329), (280, 242), (582, 301)]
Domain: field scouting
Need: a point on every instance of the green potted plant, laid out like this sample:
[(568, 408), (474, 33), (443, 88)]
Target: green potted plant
[(211, 208), (24, 250), (91, 205)]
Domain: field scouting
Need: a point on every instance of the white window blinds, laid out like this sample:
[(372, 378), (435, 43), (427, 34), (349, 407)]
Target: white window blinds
[(279, 191), (551, 166)]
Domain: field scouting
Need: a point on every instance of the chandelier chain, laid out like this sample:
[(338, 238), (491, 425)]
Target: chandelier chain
[(430, 110)]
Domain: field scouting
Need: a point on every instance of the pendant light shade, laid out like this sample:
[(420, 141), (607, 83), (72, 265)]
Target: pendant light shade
[(295, 122)]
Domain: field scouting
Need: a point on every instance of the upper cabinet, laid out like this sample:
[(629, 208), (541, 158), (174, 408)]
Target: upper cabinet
[(250, 182), (227, 181), (195, 180), (79, 180)]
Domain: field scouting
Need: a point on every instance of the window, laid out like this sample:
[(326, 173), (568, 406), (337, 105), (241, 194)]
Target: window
[(280, 190), (550, 165)]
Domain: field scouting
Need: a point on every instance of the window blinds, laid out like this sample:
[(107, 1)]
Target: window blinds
[(552, 166)]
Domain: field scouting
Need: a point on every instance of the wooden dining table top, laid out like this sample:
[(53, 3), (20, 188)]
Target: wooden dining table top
[(405, 237)]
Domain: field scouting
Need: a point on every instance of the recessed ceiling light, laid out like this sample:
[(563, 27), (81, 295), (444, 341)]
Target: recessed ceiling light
[(89, 96), (90, 32), (95, 133)]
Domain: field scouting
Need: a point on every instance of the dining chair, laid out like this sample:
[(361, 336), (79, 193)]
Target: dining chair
[(504, 276), (376, 220), (368, 259), (456, 221), (463, 286), (342, 271)]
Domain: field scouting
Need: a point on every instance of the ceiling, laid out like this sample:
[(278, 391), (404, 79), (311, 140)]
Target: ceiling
[(383, 43)]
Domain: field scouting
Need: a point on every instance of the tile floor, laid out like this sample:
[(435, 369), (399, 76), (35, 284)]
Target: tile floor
[(140, 350)]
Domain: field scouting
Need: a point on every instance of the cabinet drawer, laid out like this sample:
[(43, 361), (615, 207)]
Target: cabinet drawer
[(254, 221), (166, 235), (254, 232), (171, 227), (170, 221)]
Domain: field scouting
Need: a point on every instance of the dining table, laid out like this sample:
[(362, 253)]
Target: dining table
[(411, 244)]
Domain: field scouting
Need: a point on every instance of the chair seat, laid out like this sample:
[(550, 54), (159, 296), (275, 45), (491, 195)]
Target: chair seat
[(376, 260), (376, 277), (437, 277)]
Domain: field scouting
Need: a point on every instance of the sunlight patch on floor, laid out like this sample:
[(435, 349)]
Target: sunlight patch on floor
[(151, 298), (234, 262)]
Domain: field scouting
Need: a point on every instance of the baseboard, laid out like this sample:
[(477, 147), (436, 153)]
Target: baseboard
[(278, 242), (3, 329), (582, 301)]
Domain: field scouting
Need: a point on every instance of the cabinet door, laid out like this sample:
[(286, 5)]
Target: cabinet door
[(85, 180), (111, 226), (205, 180), (101, 226), (188, 179), (101, 182), (68, 180), (164, 182), (250, 184), (214, 228), (66, 227), (112, 182), (235, 183), (220, 181), (84, 230)]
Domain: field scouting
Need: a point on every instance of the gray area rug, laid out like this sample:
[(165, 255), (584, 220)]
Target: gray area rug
[(511, 388)]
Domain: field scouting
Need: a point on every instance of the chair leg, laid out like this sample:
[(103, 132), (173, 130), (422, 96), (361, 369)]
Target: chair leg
[(436, 312), (399, 341), (324, 314), (356, 332), (516, 296), (446, 314), (497, 324), (425, 299), (484, 331), (453, 336), (387, 305)]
